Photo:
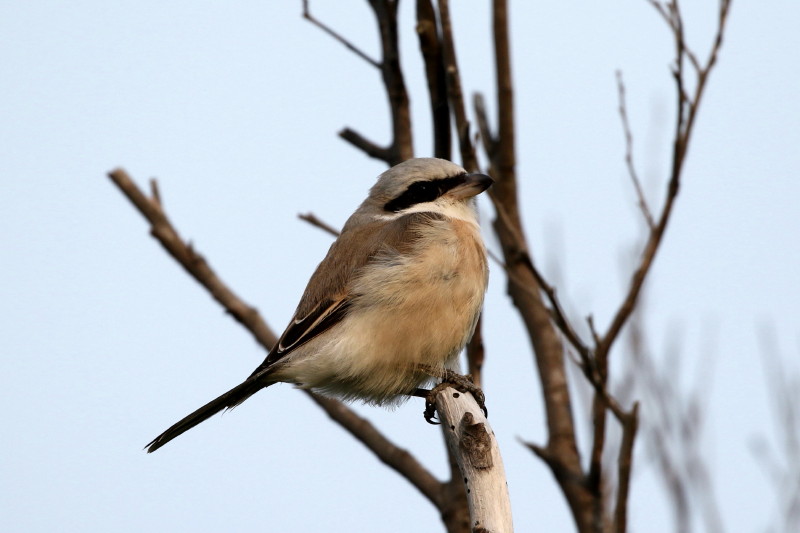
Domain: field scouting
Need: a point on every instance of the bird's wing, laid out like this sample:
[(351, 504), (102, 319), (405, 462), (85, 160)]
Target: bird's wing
[(303, 329), (327, 295)]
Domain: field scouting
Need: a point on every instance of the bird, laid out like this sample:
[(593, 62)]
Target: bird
[(393, 302)]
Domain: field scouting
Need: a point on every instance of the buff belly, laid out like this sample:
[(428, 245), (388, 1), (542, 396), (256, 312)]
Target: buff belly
[(408, 321)]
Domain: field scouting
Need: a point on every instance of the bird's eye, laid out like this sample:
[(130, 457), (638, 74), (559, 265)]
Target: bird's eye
[(421, 192), (416, 193)]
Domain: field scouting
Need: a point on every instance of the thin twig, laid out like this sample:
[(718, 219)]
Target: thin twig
[(327, 29), (494, 257), (312, 219), (155, 194), (366, 146), (592, 329), (486, 136), (781, 464), (555, 311), (626, 128), (401, 146)]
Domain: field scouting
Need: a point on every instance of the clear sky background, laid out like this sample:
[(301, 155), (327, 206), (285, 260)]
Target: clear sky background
[(235, 106)]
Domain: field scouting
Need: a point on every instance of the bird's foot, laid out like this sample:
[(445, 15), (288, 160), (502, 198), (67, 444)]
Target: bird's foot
[(462, 384)]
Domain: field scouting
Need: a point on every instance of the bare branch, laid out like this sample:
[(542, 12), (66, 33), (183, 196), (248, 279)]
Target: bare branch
[(432, 55), (487, 139), (506, 156), (401, 147), (367, 146), (327, 29), (684, 126), (630, 424), (662, 10), (456, 95), (672, 429), (471, 441), (194, 263)]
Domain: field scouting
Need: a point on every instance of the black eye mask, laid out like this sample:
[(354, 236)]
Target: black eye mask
[(423, 191)]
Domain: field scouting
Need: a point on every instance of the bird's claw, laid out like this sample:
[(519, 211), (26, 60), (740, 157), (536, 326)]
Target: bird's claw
[(462, 384)]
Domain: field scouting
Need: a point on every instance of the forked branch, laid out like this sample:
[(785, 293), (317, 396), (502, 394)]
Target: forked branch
[(686, 114), (195, 264), (401, 147)]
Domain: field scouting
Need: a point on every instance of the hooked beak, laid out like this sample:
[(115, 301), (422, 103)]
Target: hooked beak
[(473, 185)]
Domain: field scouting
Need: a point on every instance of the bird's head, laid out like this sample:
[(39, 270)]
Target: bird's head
[(424, 185)]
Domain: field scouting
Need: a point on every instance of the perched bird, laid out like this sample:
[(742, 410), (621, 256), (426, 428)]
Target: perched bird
[(392, 304)]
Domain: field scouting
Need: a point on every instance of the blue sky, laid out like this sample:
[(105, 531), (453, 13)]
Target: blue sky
[(235, 108)]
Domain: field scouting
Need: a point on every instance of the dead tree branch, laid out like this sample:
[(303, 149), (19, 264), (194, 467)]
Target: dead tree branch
[(401, 146), (686, 114), (194, 263), (432, 55), (472, 441), (365, 145)]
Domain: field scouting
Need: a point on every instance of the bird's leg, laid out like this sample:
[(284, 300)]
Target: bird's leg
[(449, 378)]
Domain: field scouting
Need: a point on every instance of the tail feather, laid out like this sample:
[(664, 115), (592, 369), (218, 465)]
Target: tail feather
[(229, 400)]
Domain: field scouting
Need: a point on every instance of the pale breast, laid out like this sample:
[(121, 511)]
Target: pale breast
[(413, 311)]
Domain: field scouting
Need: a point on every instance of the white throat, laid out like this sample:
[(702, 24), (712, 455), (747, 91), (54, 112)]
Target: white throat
[(456, 209)]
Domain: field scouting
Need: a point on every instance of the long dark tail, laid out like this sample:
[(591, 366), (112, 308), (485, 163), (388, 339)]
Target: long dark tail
[(230, 399)]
